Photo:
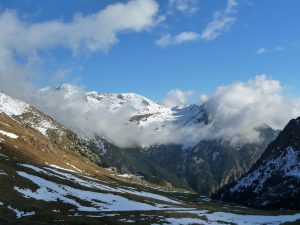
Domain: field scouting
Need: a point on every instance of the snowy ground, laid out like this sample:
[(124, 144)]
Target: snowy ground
[(95, 200), (8, 134)]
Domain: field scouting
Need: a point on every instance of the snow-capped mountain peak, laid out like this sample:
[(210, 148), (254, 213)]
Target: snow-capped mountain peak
[(114, 101), (12, 106), (26, 114), (139, 110)]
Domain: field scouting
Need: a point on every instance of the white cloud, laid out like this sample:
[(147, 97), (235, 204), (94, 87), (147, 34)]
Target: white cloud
[(15, 79), (95, 32), (261, 51), (21, 42), (235, 111), (183, 37), (186, 6), (202, 99), (176, 97), (221, 23)]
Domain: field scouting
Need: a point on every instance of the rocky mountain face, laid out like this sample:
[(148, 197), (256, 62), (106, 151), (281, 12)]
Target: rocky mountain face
[(137, 162), (211, 164), (274, 180), (202, 166)]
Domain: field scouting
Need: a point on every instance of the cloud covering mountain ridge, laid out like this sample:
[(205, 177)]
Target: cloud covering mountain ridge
[(233, 112)]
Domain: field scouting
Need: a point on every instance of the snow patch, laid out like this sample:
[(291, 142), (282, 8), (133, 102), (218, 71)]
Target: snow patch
[(287, 164), (74, 167), (126, 175), (61, 168), (98, 186), (43, 126), (20, 213), (4, 156), (2, 173), (11, 106), (52, 192), (10, 135), (5, 124)]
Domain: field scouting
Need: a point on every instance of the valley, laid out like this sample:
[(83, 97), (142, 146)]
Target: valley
[(148, 112), (48, 174), (33, 194)]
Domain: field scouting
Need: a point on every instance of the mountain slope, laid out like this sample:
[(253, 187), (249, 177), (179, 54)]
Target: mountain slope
[(135, 161), (274, 181), (37, 129)]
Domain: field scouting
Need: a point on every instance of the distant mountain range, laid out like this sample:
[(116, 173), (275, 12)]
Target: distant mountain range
[(202, 166)]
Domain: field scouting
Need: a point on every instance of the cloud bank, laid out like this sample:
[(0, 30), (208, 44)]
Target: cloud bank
[(235, 112)]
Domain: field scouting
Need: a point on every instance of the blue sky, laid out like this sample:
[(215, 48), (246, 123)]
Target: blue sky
[(263, 37)]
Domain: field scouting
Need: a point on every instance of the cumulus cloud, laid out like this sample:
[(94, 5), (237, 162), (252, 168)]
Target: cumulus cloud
[(222, 21), (95, 32), (178, 39), (237, 109), (185, 6), (176, 97)]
